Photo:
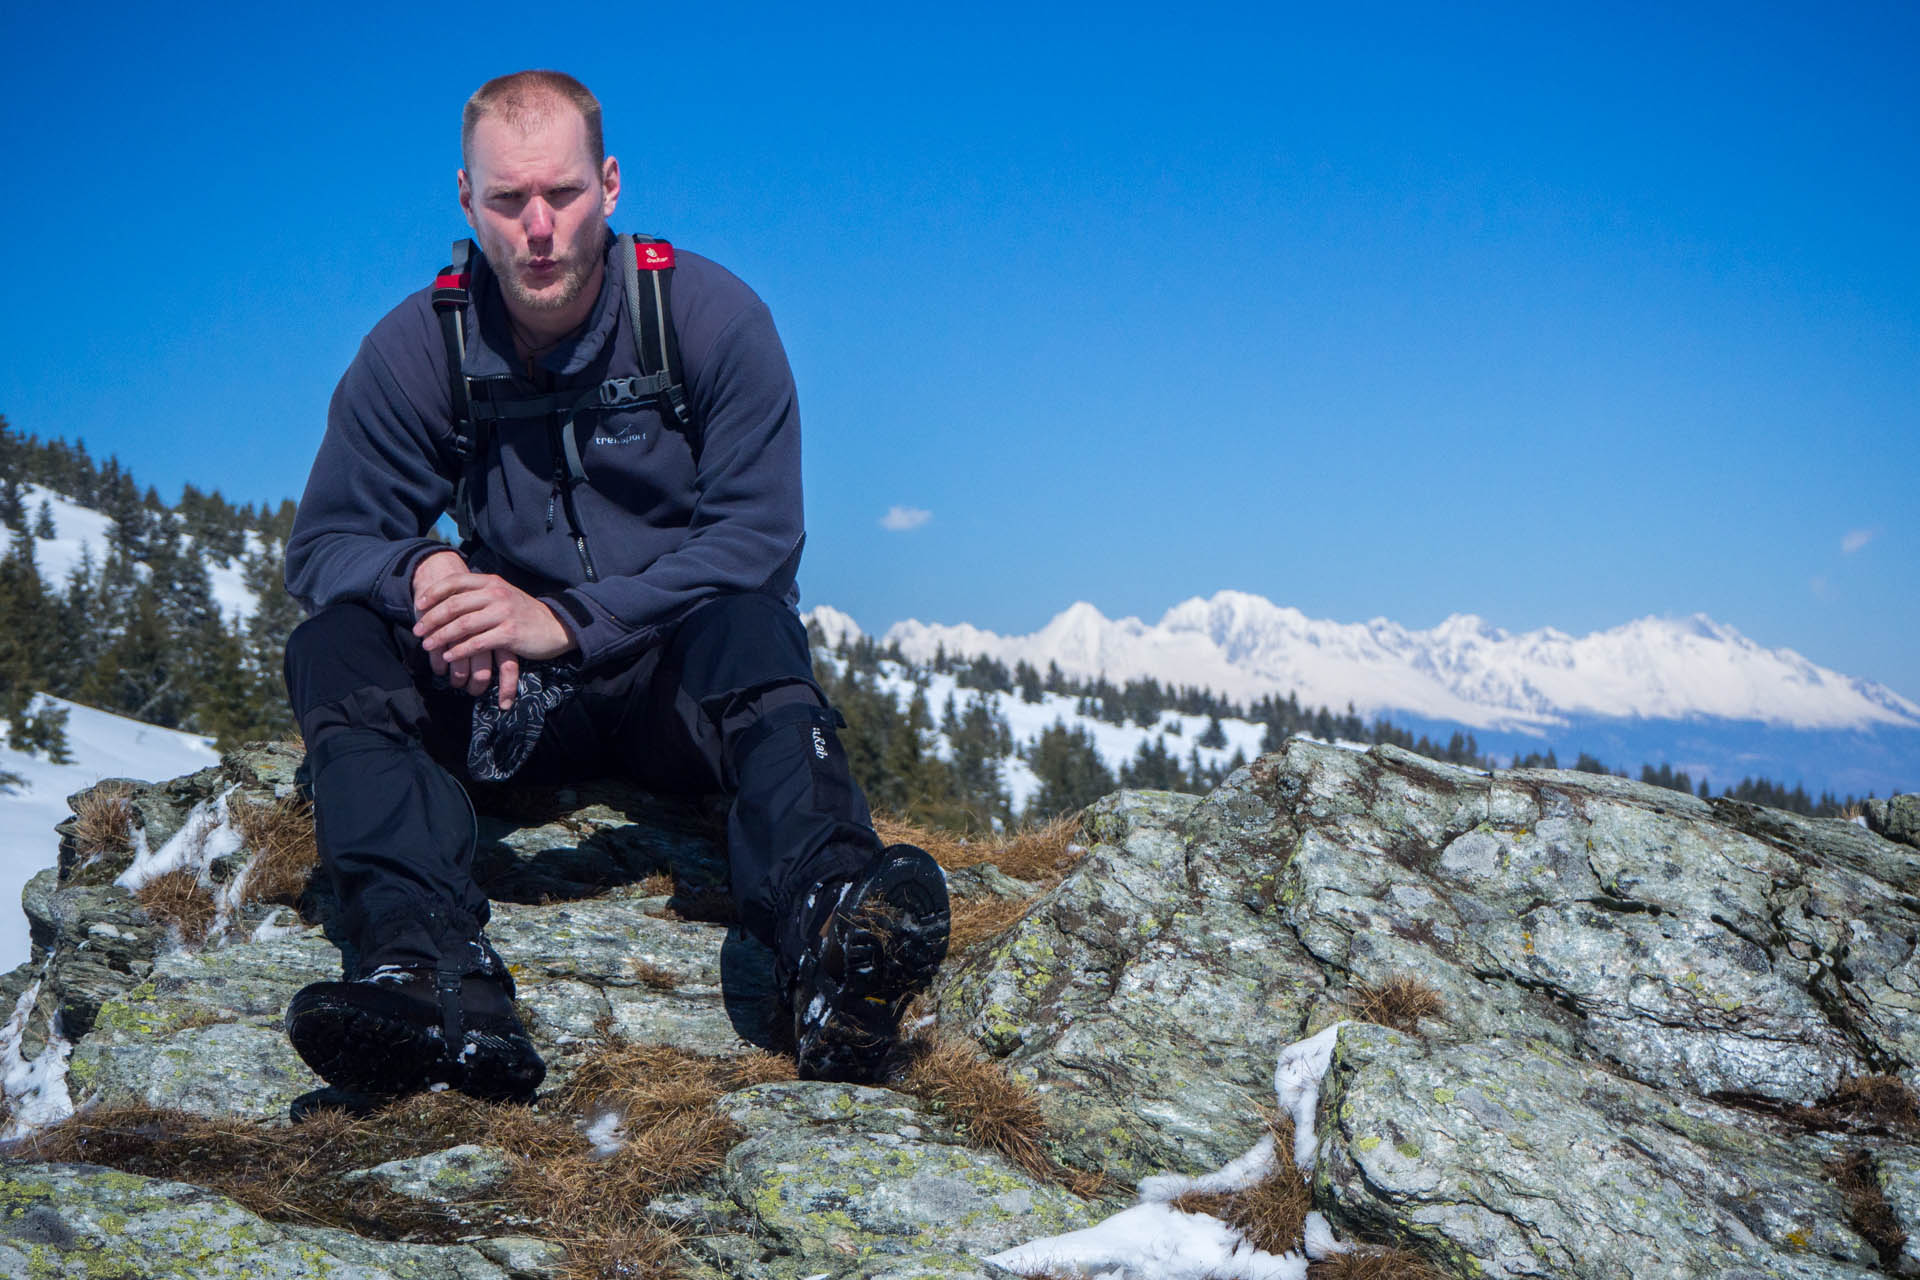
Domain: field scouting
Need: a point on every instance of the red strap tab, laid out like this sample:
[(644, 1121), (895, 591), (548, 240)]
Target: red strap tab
[(657, 256), (450, 282)]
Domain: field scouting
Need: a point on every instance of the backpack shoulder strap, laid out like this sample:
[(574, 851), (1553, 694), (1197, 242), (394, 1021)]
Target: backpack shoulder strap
[(450, 295), (646, 266)]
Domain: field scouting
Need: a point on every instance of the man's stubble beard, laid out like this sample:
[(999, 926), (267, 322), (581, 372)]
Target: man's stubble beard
[(591, 250)]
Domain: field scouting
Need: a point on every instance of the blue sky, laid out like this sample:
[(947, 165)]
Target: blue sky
[(1561, 318)]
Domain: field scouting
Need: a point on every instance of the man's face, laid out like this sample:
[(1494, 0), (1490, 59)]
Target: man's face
[(539, 209)]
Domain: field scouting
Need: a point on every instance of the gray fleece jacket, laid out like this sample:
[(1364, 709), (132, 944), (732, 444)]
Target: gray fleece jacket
[(671, 517)]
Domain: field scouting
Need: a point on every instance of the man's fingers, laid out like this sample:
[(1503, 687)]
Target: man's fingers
[(440, 588), (509, 680), (438, 615), (459, 632)]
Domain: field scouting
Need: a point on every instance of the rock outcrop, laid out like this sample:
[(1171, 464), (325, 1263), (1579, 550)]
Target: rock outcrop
[(1648, 1035)]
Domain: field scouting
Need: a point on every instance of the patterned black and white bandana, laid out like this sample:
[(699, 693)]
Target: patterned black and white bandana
[(502, 740)]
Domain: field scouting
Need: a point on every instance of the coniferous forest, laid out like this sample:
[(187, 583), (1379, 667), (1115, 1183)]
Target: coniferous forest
[(138, 632)]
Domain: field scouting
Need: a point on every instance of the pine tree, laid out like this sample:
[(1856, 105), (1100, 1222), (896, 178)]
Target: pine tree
[(1070, 772), (1154, 768), (142, 673), (29, 621), (43, 521), (40, 726)]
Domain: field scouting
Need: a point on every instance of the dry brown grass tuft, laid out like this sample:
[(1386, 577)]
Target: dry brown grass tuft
[(1272, 1213), (284, 854), (1867, 1209), (652, 975), (980, 920), (1367, 1262), (284, 1174), (992, 1109), (1044, 853), (657, 885), (625, 1253), (594, 1206), (1885, 1101), (104, 819), (1399, 1002), (179, 899), (673, 1135)]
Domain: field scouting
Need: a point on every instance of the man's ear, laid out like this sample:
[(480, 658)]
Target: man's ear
[(466, 197), (609, 186)]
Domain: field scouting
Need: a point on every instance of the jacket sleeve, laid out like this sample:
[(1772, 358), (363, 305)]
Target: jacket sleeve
[(378, 484), (747, 524)]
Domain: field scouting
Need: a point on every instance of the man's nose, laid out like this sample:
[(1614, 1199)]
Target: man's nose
[(538, 219)]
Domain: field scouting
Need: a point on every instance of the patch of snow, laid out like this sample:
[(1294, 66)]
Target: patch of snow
[(78, 531), (207, 834), (1296, 1082), (1237, 1175), (103, 745), (1154, 1241), (37, 1090), (272, 928), (227, 580), (606, 1134)]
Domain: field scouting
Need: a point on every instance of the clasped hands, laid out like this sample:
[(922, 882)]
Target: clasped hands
[(474, 625)]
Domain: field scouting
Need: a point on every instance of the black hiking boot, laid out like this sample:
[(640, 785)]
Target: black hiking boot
[(402, 1030), (871, 944)]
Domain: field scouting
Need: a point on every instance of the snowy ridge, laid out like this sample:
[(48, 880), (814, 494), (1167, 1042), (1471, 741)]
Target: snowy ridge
[(83, 532), (1463, 670), (103, 745)]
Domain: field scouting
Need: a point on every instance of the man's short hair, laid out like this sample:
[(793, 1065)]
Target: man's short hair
[(527, 97)]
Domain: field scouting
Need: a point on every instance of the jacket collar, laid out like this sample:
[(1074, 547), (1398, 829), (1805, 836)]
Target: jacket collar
[(490, 337)]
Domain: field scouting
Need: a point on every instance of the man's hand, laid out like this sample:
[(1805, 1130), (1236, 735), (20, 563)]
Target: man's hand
[(472, 624)]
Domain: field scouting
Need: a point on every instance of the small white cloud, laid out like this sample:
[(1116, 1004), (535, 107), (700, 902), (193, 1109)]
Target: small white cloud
[(901, 519), (1822, 589), (1856, 540)]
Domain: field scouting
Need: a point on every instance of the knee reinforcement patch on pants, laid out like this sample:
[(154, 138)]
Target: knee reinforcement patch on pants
[(812, 729)]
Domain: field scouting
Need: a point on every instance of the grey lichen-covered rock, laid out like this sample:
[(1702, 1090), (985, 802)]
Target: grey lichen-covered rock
[(458, 1175), (203, 1032), (839, 1177), (1506, 1158), (84, 1223), (1147, 1007), (1636, 989), (1899, 1173), (1646, 951), (524, 1257), (1897, 818)]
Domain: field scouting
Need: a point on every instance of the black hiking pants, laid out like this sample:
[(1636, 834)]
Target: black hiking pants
[(726, 703)]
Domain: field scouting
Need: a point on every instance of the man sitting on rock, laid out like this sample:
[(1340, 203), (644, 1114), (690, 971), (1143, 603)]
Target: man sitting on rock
[(612, 423)]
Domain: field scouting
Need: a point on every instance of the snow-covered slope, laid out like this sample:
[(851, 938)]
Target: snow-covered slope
[(81, 530), (1462, 671), (103, 746)]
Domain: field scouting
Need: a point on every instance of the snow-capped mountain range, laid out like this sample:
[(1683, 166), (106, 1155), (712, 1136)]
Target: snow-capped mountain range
[(1690, 692), (1463, 671)]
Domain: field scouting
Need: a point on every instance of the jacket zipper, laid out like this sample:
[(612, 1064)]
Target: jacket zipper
[(563, 490)]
